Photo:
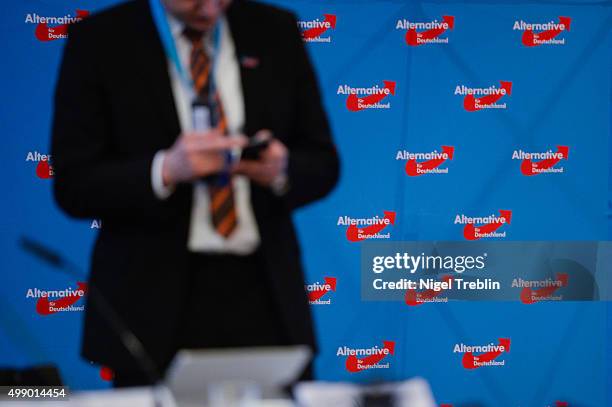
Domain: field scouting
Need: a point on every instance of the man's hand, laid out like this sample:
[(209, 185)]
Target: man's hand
[(271, 165), (195, 155)]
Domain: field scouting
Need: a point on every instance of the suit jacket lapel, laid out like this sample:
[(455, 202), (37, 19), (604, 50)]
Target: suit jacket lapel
[(248, 54), (155, 71)]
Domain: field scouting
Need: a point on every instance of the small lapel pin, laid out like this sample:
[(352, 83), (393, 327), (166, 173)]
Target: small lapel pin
[(249, 62)]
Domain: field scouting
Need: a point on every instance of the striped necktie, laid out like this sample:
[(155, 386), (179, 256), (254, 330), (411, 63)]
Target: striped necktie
[(222, 205)]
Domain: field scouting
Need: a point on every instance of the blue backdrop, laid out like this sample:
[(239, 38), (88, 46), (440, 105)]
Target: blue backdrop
[(560, 96)]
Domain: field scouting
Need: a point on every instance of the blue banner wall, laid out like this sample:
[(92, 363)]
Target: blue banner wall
[(435, 107)]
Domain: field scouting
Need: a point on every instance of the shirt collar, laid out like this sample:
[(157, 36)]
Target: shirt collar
[(177, 27)]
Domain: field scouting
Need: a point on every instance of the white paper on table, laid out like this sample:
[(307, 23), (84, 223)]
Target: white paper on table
[(410, 393)]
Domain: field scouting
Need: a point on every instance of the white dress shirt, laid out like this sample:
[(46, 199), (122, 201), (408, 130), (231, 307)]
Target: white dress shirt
[(202, 235)]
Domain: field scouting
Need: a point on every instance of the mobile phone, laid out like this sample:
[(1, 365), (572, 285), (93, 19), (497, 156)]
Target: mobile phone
[(254, 149)]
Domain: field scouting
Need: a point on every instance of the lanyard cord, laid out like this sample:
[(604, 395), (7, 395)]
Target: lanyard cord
[(163, 29)]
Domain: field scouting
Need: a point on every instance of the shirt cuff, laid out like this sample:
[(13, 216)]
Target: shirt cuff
[(159, 189), (280, 185)]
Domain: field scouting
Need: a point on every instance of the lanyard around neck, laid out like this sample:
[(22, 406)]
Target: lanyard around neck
[(163, 29)]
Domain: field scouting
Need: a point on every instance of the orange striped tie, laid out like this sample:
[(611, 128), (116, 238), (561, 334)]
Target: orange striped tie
[(222, 206)]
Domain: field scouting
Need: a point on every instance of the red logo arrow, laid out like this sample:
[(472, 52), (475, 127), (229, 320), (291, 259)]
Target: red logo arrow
[(469, 231), (412, 36), (44, 170), (45, 33), (330, 285), (415, 169), (473, 362), (107, 374), (561, 404), (43, 305), (354, 365), (353, 232), (414, 298), (528, 294), (529, 37), (472, 103), (318, 31), (355, 103), (529, 168)]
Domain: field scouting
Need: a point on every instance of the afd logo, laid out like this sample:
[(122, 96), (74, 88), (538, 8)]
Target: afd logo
[(63, 300), (475, 357), (536, 34), (414, 297), (475, 99), (360, 359), (533, 291), (44, 169), (317, 291), (367, 228), (45, 33), (487, 226), (314, 30), (367, 98), (429, 32), (541, 163), (429, 163)]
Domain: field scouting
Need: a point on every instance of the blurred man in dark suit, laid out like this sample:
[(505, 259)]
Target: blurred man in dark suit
[(196, 250)]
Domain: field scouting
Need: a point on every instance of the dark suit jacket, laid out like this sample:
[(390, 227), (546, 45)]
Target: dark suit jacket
[(114, 110)]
